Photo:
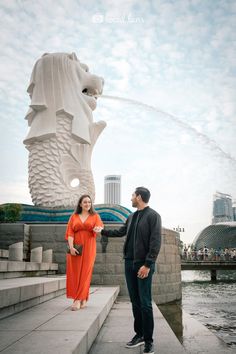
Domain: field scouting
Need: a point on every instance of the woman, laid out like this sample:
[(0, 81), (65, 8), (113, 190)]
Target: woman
[(82, 229)]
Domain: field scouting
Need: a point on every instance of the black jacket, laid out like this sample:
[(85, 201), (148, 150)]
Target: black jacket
[(147, 239)]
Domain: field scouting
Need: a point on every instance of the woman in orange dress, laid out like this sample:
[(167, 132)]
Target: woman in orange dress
[(82, 228)]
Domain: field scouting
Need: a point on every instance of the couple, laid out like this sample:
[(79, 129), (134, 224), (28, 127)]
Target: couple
[(141, 248)]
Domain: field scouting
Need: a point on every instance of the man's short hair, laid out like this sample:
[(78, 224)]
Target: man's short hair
[(144, 193)]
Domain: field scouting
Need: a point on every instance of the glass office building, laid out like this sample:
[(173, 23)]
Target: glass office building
[(234, 209), (222, 208)]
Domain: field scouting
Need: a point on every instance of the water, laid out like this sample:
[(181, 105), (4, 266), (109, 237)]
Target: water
[(180, 123), (211, 303)]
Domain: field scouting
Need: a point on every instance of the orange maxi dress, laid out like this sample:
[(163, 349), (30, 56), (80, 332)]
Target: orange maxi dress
[(79, 268)]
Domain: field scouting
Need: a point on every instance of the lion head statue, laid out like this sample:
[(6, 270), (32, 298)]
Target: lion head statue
[(61, 84)]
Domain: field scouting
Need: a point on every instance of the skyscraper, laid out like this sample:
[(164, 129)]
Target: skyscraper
[(222, 208), (112, 189), (234, 209)]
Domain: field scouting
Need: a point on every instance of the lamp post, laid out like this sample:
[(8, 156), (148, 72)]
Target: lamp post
[(178, 229)]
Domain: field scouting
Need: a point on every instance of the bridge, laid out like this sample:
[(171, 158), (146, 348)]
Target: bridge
[(213, 266)]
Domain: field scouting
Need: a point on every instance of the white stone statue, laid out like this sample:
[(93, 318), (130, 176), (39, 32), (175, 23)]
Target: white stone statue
[(62, 133)]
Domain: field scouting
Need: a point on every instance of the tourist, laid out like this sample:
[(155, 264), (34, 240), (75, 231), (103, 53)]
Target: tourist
[(205, 253), (141, 248), (195, 254), (200, 254), (217, 254), (83, 226), (227, 254), (234, 254), (185, 253)]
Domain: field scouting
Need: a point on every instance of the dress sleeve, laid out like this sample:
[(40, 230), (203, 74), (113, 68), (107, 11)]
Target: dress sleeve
[(70, 228), (98, 222)]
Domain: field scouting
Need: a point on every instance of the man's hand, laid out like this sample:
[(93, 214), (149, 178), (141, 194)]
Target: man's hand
[(97, 229), (143, 272)]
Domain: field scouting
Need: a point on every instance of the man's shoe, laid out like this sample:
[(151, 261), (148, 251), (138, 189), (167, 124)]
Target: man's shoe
[(148, 348), (136, 341)]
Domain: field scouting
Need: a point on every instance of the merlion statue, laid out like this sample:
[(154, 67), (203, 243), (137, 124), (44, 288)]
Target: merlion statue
[(62, 133)]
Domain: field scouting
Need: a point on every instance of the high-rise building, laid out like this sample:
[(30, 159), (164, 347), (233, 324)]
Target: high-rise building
[(234, 209), (112, 189), (222, 208)]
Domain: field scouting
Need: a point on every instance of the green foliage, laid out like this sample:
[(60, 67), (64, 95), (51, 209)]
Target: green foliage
[(10, 212), (2, 213)]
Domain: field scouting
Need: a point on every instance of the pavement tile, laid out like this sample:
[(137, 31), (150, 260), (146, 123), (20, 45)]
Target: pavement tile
[(9, 337), (40, 342)]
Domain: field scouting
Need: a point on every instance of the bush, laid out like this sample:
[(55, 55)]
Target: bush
[(2, 213), (10, 212)]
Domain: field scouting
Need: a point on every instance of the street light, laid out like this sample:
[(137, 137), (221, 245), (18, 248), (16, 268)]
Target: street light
[(178, 229)]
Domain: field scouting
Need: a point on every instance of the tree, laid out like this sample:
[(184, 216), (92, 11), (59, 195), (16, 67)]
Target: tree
[(10, 212)]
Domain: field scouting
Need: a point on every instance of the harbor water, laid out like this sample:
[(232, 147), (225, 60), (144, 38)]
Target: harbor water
[(211, 303)]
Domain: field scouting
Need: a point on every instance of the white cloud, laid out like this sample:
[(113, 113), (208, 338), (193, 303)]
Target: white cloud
[(177, 59)]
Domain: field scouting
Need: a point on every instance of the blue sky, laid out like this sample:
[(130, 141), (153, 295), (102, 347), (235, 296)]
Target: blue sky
[(178, 56)]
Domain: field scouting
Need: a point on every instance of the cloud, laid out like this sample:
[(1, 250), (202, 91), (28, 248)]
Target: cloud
[(180, 59)]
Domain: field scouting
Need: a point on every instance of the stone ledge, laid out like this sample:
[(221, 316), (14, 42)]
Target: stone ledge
[(24, 274), (15, 266), (14, 292), (118, 329)]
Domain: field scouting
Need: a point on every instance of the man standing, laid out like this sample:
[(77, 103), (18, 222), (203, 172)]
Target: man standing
[(141, 248)]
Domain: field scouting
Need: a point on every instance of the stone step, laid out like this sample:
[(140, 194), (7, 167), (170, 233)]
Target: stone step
[(118, 330), (14, 269), (51, 327), (21, 293)]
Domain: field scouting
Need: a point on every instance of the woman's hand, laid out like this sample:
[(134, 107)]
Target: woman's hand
[(73, 251), (97, 229)]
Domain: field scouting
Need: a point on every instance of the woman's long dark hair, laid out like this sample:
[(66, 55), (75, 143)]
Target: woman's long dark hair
[(78, 209)]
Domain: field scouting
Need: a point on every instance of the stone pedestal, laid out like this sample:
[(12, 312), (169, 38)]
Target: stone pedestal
[(36, 255), (16, 252), (47, 256)]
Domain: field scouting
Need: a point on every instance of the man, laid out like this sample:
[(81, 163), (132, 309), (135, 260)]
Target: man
[(141, 248)]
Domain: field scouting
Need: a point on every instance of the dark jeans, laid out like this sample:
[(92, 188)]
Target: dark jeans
[(140, 292)]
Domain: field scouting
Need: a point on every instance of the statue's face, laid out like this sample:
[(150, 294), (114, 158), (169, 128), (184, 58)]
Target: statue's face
[(91, 86)]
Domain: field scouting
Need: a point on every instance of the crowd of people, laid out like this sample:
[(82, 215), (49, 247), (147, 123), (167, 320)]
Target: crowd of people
[(208, 254)]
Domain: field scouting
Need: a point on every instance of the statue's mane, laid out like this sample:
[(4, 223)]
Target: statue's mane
[(56, 89)]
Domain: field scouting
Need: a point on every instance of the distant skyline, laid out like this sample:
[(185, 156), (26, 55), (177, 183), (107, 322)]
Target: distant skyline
[(170, 67)]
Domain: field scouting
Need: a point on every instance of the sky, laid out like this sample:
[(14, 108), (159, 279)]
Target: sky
[(170, 67)]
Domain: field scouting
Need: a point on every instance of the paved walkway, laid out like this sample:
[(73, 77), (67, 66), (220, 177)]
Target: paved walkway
[(118, 329)]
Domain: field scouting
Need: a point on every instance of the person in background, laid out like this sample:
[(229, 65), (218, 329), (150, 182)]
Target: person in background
[(83, 226), (141, 248)]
